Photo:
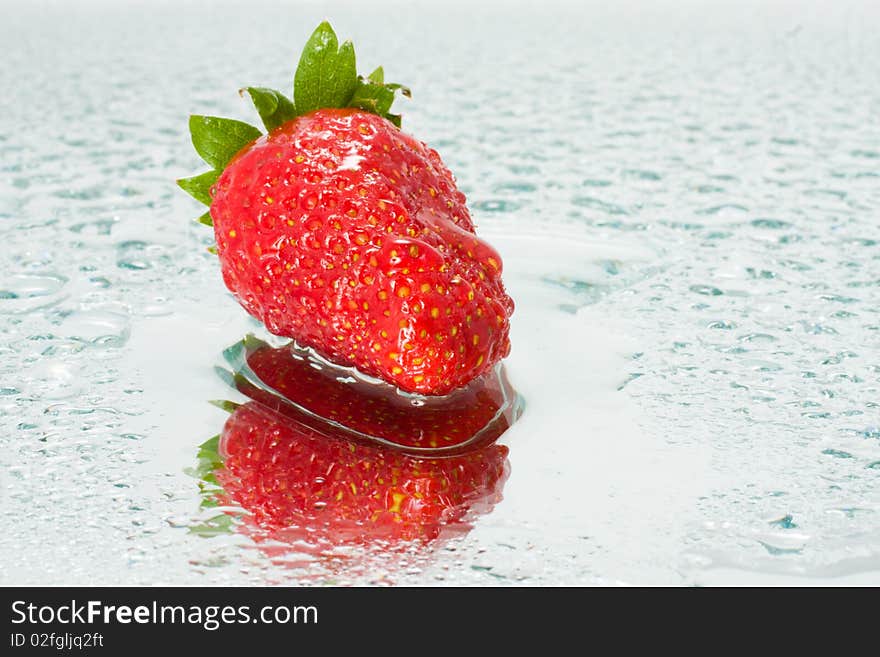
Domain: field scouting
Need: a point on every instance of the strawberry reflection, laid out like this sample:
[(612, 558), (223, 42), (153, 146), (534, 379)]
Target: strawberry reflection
[(307, 485), (296, 382), (322, 459)]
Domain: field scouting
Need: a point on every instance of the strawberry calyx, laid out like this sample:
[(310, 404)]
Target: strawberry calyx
[(326, 77)]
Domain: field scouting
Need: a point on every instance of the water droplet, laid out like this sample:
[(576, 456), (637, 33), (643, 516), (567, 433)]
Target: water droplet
[(26, 287), (22, 293), (496, 205), (98, 328), (642, 174), (757, 337), (836, 453), (523, 187), (53, 379), (138, 255), (598, 204), (707, 290), (760, 273), (716, 209), (774, 224), (785, 522), (837, 298), (779, 551)]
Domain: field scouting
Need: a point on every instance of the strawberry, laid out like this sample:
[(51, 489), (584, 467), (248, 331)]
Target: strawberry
[(344, 233), (291, 381), (298, 483)]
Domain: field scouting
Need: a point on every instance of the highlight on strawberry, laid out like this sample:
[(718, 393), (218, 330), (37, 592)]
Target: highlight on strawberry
[(337, 229)]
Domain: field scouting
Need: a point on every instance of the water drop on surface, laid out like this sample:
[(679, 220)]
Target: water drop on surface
[(53, 379), (97, 328)]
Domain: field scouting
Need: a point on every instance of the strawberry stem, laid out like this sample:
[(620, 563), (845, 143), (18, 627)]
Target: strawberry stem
[(325, 77)]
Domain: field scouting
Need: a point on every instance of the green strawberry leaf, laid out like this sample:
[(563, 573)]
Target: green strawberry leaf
[(199, 187), (209, 493), (273, 106), (327, 74), (209, 459), (252, 343), (206, 219), (377, 76), (224, 405), (217, 139), (216, 526), (373, 98), (373, 95), (405, 91)]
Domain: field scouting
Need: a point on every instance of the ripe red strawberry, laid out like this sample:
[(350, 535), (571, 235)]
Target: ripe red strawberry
[(348, 235), (299, 483), (290, 381)]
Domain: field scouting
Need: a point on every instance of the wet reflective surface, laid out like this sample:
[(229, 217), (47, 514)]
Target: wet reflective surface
[(685, 201)]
